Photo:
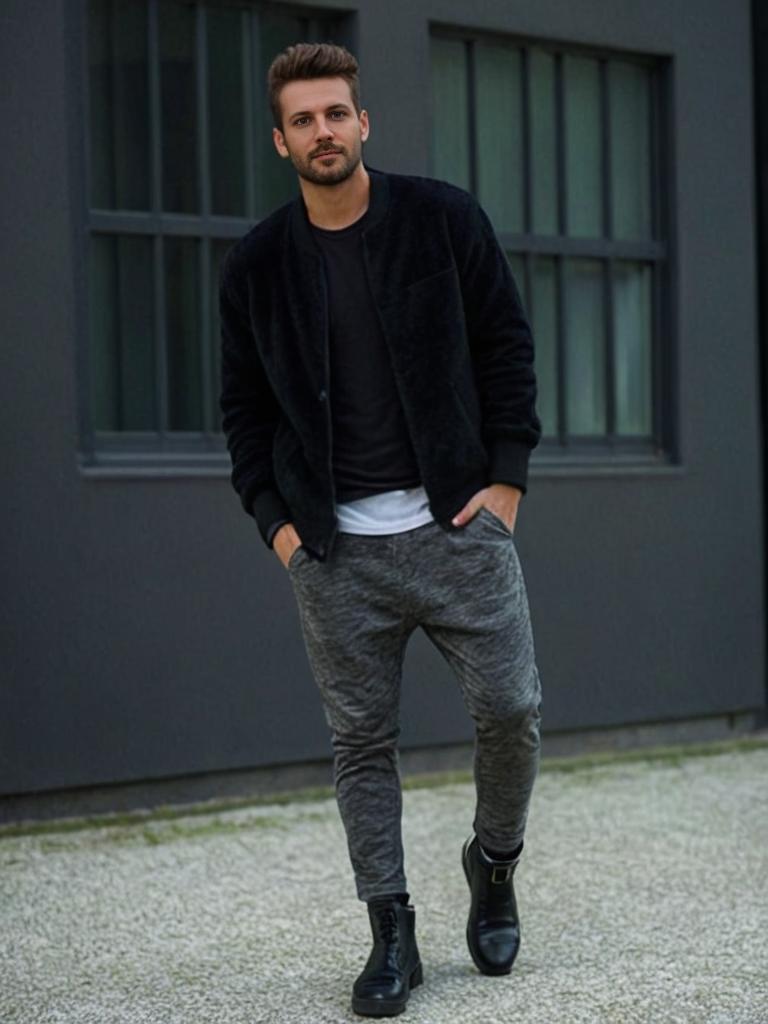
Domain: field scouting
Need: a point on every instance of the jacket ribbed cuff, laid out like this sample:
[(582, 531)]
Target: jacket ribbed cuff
[(269, 507), (509, 464)]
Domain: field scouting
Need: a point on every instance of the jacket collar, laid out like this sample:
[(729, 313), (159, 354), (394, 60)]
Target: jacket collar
[(378, 205)]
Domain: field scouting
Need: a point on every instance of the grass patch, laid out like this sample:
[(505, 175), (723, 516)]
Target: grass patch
[(670, 755), (111, 819), (156, 832), (674, 755)]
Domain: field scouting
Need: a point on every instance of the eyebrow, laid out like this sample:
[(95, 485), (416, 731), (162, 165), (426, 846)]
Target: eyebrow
[(308, 113)]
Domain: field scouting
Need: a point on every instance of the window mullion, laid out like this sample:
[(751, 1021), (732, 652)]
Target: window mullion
[(153, 65), (560, 360), (207, 342), (472, 116), (201, 79), (606, 151), (526, 104), (257, 126), (562, 227), (116, 90), (161, 357), (203, 247), (608, 312), (663, 353), (116, 267), (660, 368), (527, 284), (248, 63), (610, 356), (654, 113), (560, 129)]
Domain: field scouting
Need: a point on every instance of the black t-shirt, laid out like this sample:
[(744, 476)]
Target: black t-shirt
[(372, 450)]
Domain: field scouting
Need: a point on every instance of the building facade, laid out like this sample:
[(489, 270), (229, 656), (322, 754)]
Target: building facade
[(150, 635)]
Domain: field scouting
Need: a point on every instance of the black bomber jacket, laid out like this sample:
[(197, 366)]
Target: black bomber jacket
[(453, 322)]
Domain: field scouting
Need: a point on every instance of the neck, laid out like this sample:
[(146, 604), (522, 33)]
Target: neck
[(337, 206)]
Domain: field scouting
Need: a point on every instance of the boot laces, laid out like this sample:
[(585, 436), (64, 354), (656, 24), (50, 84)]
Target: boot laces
[(388, 924)]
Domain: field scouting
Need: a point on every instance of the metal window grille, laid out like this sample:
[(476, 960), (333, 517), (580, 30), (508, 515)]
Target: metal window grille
[(161, 213), (501, 159)]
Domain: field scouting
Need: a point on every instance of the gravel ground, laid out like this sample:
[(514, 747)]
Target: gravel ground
[(643, 895)]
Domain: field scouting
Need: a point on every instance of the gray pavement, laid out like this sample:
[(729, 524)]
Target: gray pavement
[(643, 895)]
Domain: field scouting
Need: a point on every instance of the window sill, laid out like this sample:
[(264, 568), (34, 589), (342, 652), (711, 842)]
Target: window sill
[(584, 464), (133, 465)]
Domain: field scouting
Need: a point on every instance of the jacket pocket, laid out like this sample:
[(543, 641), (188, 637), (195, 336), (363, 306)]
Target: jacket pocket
[(440, 279)]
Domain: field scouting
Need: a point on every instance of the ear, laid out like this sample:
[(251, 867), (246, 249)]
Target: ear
[(365, 128), (279, 141)]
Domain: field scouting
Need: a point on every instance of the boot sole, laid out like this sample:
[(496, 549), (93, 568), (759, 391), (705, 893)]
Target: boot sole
[(390, 1008), (480, 964)]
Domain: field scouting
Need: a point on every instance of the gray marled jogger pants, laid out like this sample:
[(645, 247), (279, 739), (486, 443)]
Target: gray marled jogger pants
[(465, 588)]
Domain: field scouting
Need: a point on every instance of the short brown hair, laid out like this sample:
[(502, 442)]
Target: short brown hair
[(311, 60)]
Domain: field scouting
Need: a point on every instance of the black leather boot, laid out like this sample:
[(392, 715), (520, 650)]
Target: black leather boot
[(493, 929), (394, 967)]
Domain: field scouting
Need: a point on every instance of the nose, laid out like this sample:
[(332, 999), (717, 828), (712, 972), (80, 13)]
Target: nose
[(324, 130)]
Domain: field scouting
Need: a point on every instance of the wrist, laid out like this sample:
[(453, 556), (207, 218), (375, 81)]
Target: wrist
[(273, 531)]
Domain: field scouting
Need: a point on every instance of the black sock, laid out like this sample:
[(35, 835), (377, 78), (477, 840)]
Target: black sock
[(400, 897)]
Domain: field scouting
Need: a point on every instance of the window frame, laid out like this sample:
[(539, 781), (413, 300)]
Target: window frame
[(164, 451), (606, 452)]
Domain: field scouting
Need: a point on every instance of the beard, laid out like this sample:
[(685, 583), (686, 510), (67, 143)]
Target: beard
[(313, 168)]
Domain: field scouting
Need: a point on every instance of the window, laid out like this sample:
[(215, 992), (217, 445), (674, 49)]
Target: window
[(181, 164), (562, 149)]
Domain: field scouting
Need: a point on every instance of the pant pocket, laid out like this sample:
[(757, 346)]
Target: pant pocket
[(486, 516)]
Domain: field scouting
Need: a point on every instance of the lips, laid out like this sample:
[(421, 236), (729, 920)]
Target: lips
[(326, 152)]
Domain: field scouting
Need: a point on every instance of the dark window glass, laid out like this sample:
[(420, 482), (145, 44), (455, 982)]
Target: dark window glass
[(182, 330), (179, 107), (499, 105), (450, 115), (543, 116), (122, 367), (583, 147), (632, 315), (585, 347), (561, 148), (119, 105), (218, 252), (227, 128), (630, 93), (543, 311)]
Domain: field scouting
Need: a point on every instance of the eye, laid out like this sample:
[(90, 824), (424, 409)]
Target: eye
[(339, 114), (300, 122)]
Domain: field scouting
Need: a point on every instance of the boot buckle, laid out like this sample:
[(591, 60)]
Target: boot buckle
[(501, 874)]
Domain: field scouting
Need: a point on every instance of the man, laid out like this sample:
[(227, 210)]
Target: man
[(378, 401)]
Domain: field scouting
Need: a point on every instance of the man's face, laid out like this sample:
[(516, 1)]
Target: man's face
[(322, 134)]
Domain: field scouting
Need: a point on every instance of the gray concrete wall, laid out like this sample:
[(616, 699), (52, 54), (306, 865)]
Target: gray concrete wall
[(147, 632)]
